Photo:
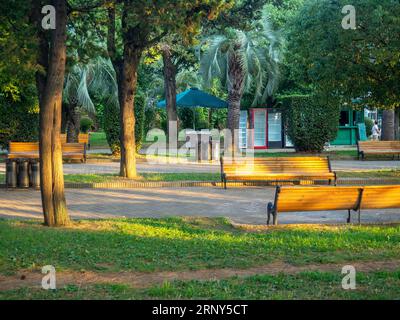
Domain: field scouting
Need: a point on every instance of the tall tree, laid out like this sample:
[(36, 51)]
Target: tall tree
[(51, 58), (142, 26), (243, 61), (179, 54), (349, 63)]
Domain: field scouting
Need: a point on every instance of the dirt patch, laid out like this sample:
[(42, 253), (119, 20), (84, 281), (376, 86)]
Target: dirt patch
[(32, 279)]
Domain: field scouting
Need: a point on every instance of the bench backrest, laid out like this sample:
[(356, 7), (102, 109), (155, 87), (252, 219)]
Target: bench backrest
[(73, 147), (378, 145), (16, 147), (289, 199), (276, 165), (380, 197), (82, 138)]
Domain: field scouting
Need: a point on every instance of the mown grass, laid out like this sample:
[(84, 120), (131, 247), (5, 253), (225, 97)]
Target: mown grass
[(305, 285), (370, 174), (334, 155), (198, 176), (207, 176), (184, 244), (146, 176), (98, 140)]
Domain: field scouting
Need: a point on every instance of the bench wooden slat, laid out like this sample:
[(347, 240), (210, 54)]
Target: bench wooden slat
[(378, 147), (292, 199), (30, 150), (276, 169)]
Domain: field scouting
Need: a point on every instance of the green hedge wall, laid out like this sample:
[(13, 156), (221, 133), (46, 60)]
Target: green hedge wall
[(311, 121), (19, 117)]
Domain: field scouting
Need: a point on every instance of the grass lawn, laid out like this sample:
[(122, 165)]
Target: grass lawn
[(334, 155), (206, 176), (97, 178), (98, 140), (305, 285), (176, 244)]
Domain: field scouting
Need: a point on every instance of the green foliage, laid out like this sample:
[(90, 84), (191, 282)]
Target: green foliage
[(361, 63), (86, 124), (254, 55), (311, 121), (19, 114), (190, 117), (140, 117), (111, 127)]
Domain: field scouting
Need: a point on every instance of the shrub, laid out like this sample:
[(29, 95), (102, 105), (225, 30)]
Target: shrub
[(140, 102), (86, 124), (311, 121), (111, 127), (19, 115)]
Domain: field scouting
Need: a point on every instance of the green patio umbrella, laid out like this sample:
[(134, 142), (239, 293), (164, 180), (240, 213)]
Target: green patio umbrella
[(196, 98)]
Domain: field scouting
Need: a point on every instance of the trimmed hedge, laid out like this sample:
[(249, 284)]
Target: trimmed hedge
[(311, 121), (111, 127), (19, 117), (140, 102)]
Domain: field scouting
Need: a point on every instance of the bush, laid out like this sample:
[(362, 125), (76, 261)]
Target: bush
[(140, 103), (86, 124), (19, 115), (111, 127), (311, 121)]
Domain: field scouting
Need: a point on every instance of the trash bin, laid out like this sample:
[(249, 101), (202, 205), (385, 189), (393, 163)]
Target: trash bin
[(34, 174), (11, 173), (200, 142), (23, 173)]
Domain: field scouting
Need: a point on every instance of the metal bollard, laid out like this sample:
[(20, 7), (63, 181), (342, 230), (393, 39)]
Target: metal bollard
[(34, 174), (11, 173), (23, 174)]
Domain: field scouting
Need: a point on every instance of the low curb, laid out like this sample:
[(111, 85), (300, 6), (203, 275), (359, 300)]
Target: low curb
[(213, 184)]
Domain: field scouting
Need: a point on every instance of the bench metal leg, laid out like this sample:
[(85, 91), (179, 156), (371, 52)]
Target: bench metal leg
[(269, 212), (225, 183), (359, 216), (349, 216), (275, 216)]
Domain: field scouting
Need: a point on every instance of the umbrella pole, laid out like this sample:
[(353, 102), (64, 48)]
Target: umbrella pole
[(194, 118)]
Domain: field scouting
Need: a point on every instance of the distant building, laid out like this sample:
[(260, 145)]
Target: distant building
[(269, 130)]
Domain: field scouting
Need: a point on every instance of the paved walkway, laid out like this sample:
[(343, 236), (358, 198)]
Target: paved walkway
[(242, 205)]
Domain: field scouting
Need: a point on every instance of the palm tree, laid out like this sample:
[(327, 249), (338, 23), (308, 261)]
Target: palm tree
[(244, 61), (82, 81)]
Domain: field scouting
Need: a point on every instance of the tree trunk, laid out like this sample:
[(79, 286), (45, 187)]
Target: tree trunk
[(388, 125), (51, 170), (235, 93), (170, 84), (73, 123), (127, 114)]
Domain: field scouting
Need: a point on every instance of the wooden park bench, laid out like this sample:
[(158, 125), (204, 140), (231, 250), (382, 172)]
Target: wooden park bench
[(30, 150), (378, 147), (332, 198), (82, 138), (75, 151), (26, 150), (284, 169)]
